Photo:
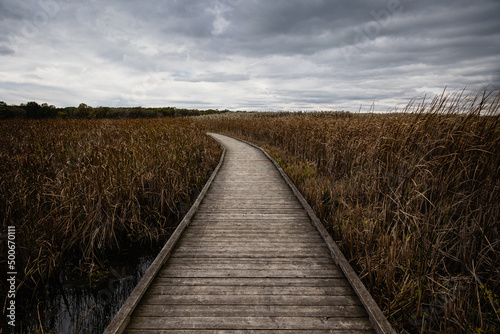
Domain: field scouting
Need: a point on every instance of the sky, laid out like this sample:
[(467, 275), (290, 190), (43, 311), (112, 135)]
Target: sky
[(260, 55)]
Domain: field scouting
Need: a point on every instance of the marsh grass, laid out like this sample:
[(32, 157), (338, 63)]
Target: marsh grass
[(412, 198), (78, 190)]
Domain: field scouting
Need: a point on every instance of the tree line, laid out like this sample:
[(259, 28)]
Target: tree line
[(34, 110)]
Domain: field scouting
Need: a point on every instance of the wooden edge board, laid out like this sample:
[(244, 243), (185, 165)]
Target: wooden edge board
[(377, 317), (121, 319)]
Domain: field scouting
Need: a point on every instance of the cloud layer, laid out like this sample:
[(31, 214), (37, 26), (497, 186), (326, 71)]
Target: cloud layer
[(245, 54)]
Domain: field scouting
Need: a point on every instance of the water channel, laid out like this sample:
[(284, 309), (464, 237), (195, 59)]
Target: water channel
[(70, 305)]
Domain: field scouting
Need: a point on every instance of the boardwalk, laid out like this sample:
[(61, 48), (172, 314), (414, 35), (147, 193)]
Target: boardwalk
[(250, 261)]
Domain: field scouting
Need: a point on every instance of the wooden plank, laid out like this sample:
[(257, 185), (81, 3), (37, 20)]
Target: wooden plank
[(235, 253), (304, 323), (283, 225), (251, 300), (228, 203), (282, 253), (250, 311), (255, 239), (267, 216), (242, 218), (249, 211), (248, 232), (315, 273), (254, 281), (271, 250), (308, 262), (210, 243), (258, 265), (255, 226), (212, 199), (249, 253), (249, 290), (227, 230), (277, 228), (246, 331), (249, 197)]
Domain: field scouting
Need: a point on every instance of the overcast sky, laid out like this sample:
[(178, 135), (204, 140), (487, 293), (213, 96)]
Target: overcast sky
[(245, 54)]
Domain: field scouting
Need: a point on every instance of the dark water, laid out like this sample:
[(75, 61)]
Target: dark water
[(70, 305)]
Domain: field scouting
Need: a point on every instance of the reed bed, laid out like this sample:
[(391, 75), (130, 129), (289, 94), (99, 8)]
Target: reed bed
[(413, 200), (79, 190)]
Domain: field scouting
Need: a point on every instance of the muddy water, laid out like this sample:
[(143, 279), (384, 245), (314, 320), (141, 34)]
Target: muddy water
[(70, 305)]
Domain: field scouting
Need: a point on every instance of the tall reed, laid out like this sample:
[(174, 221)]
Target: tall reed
[(413, 199), (80, 189)]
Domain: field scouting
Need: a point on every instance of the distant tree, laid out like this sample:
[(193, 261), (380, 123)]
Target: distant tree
[(168, 111), (48, 111), (101, 112), (5, 111), (84, 111), (33, 109)]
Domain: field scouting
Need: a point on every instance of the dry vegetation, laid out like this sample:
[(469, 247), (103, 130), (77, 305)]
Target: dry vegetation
[(413, 200), (79, 189)]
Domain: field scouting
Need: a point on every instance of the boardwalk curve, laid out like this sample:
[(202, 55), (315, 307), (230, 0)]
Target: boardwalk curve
[(249, 257)]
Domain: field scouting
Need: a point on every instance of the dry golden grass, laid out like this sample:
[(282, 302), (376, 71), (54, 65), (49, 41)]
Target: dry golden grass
[(413, 200), (80, 189)]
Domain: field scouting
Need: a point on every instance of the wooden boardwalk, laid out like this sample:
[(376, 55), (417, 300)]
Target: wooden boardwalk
[(248, 260)]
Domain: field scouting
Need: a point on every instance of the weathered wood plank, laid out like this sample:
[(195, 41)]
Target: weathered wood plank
[(249, 244), (228, 204), (213, 199), (224, 229), (249, 211), (250, 290), (251, 300), (255, 240), (250, 311), (308, 262), (252, 220), (247, 331), (210, 241), (228, 228), (227, 253), (233, 253), (250, 197), (251, 216), (304, 323), (254, 281), (257, 265), (282, 227), (247, 232), (315, 273), (270, 250)]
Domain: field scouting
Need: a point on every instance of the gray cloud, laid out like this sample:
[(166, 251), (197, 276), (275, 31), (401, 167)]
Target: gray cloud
[(214, 77), (255, 54), (4, 50)]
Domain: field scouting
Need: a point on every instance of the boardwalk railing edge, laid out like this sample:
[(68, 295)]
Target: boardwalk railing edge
[(121, 319), (376, 316)]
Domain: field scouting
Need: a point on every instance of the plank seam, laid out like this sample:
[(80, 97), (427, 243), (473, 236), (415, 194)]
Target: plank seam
[(376, 316), (121, 319)]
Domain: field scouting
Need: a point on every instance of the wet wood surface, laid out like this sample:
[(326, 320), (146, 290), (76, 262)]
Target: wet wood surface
[(250, 261)]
